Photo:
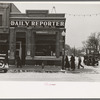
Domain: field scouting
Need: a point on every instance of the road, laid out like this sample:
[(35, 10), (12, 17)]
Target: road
[(88, 74), (50, 77), (52, 73)]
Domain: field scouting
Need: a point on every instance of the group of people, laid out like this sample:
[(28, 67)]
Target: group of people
[(70, 65)]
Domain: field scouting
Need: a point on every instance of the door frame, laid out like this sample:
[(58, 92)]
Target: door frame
[(20, 49)]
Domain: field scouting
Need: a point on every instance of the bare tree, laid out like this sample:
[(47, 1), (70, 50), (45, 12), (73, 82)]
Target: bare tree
[(84, 44), (98, 36), (92, 41)]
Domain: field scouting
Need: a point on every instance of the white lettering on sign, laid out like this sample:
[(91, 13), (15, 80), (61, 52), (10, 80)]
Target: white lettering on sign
[(33, 23), (62, 24), (12, 23), (41, 23), (49, 23), (53, 23), (27, 23), (38, 23), (57, 23)]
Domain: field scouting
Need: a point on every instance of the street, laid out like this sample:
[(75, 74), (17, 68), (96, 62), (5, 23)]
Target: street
[(35, 82), (49, 77), (52, 73)]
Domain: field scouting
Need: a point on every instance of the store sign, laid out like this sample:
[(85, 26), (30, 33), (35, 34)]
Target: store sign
[(59, 24)]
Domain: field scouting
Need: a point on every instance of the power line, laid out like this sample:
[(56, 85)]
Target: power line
[(79, 15), (70, 14)]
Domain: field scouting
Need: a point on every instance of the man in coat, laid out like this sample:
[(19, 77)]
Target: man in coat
[(79, 63), (67, 65), (18, 62), (72, 60)]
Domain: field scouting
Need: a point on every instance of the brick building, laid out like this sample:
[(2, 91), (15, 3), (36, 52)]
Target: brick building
[(35, 36)]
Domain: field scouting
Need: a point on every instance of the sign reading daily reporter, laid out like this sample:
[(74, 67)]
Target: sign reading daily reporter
[(52, 24)]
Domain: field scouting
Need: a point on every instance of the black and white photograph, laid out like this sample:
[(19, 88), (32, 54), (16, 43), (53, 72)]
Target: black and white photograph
[(50, 41), (49, 49)]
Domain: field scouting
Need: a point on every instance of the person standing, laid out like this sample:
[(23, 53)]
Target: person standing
[(93, 61), (79, 63), (72, 60), (18, 62), (67, 65)]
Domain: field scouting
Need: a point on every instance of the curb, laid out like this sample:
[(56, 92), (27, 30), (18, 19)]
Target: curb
[(40, 71)]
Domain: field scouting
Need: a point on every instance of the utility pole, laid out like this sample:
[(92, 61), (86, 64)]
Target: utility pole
[(63, 50)]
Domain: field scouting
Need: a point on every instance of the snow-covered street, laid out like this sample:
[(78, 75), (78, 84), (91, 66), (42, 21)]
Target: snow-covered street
[(89, 73), (50, 77), (52, 73)]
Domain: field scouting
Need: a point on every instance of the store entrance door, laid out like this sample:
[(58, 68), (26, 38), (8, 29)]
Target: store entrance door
[(21, 46), (19, 49)]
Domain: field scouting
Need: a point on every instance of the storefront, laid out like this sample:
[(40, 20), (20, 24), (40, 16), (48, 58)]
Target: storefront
[(36, 36)]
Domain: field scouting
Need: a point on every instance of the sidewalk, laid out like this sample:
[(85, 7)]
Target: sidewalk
[(54, 69), (32, 68)]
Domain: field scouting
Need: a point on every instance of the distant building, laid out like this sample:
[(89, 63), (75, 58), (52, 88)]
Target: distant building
[(92, 51), (35, 36)]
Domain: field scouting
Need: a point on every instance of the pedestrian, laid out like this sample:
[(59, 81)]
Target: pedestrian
[(93, 61), (18, 61), (43, 65), (72, 60), (67, 65), (79, 63)]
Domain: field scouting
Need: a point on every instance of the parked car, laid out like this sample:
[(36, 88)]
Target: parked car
[(91, 60), (3, 64)]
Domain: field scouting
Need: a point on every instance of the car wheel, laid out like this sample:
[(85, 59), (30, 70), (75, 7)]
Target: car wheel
[(5, 70)]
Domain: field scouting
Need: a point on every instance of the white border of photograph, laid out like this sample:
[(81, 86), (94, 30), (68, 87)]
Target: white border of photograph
[(48, 89)]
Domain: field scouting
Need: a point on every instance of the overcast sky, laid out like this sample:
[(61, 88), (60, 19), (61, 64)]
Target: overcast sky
[(78, 28)]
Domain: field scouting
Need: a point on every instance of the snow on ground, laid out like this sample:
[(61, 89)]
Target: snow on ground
[(88, 74), (71, 77)]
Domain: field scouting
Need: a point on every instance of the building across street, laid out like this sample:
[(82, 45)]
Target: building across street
[(35, 36)]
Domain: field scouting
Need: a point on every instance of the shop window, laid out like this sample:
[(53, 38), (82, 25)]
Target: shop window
[(3, 37), (45, 46), (0, 20)]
